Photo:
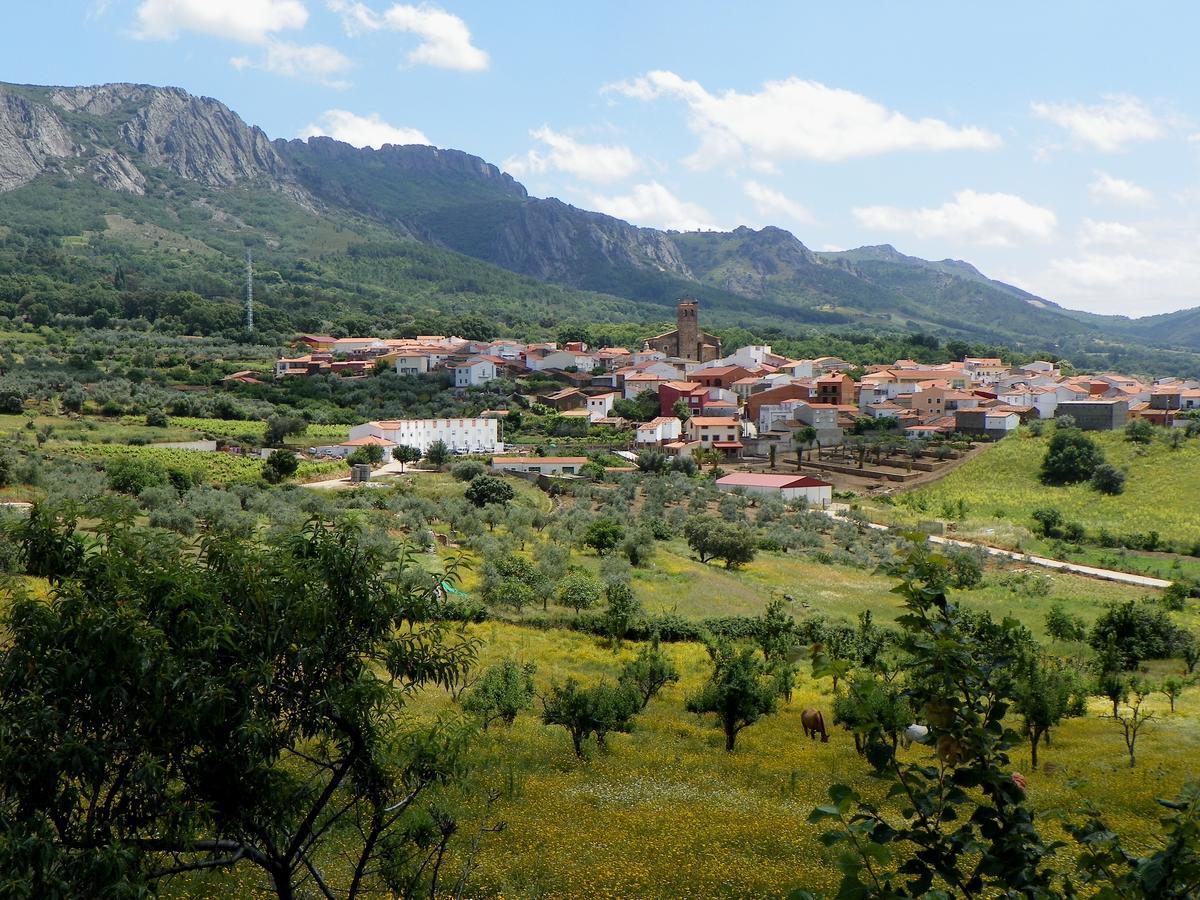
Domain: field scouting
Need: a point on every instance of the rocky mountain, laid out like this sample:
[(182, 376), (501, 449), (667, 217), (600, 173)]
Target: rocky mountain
[(134, 139), (113, 132)]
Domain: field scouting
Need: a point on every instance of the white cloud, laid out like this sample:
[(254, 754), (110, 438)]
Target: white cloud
[(1108, 126), (248, 21), (1107, 188), (796, 119), (1125, 283), (653, 204), (362, 131), (445, 38), (994, 219), (1093, 232), (770, 202), (591, 162), (315, 62)]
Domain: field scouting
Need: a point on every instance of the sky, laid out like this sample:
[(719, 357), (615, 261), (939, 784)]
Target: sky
[(1053, 145)]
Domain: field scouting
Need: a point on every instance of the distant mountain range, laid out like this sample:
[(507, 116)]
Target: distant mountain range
[(138, 143)]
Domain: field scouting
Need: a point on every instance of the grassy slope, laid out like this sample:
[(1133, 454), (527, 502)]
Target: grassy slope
[(667, 813), (1162, 492)]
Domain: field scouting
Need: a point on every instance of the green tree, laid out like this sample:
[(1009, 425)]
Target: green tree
[(280, 464), (437, 454), (1064, 626), (404, 454), (247, 732), (1108, 479), (580, 590), (366, 455), (1133, 720), (157, 418), (603, 535), (739, 692), (1043, 694), (957, 676), (280, 427), (502, 691), (1139, 431), (649, 672), (590, 711), (1071, 457), (1172, 688), (488, 489), (622, 610)]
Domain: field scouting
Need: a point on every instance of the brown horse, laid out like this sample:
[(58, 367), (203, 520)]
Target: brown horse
[(813, 722)]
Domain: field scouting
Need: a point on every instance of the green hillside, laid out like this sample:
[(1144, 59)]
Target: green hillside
[(1162, 490)]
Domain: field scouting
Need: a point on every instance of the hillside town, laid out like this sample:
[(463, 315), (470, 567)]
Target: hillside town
[(747, 403)]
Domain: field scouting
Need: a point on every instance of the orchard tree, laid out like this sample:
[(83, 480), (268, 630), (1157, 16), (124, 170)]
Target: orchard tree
[(167, 710), (1044, 694), (649, 672), (622, 611), (1133, 720), (502, 691), (584, 712), (280, 427), (488, 490), (280, 464), (603, 535), (580, 590), (739, 692)]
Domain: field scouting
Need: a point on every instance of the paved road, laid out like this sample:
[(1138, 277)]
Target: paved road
[(1074, 568)]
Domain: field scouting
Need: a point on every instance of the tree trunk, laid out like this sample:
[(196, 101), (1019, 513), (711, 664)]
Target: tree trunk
[(1033, 745), (281, 878), (577, 740), (730, 738)]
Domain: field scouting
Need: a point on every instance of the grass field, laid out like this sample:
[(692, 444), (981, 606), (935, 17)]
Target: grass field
[(666, 812), (214, 468), (1001, 486)]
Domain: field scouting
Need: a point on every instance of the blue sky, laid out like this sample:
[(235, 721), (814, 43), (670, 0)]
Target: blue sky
[(1054, 145)]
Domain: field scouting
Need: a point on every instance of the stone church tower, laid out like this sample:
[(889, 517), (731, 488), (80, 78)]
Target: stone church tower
[(687, 325), (687, 340)]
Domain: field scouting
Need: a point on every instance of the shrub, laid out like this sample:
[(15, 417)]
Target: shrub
[(468, 470), (1063, 626), (133, 474), (156, 418), (1108, 479), (1139, 431)]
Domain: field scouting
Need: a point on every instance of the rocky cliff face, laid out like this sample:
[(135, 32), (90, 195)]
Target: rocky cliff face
[(553, 241), (32, 139), (114, 132)]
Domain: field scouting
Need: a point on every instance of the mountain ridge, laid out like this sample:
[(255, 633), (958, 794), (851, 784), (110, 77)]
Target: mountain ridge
[(120, 134)]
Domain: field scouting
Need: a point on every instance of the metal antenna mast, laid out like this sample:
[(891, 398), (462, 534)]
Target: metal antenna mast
[(249, 293)]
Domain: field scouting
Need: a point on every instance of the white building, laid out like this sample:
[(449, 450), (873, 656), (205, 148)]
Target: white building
[(787, 487), (600, 406), (412, 364), (461, 435), (659, 431), (475, 371), (540, 465)]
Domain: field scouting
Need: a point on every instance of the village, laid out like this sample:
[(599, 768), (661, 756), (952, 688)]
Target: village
[(682, 394)]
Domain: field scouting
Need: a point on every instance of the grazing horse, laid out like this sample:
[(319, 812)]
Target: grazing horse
[(812, 720), (913, 734)]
